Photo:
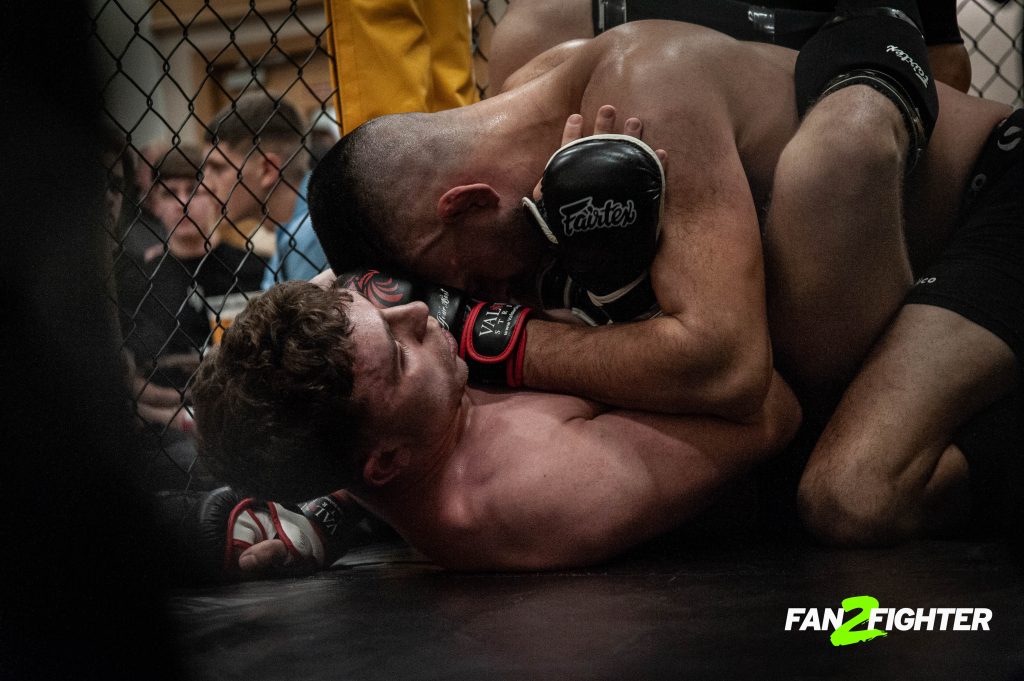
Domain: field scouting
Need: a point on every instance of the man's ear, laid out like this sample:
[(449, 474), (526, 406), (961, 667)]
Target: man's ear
[(270, 169), (383, 465), (460, 200)]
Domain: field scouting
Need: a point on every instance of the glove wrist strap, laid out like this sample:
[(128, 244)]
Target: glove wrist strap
[(493, 343)]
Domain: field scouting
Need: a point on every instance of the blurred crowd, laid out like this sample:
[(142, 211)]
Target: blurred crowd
[(196, 230)]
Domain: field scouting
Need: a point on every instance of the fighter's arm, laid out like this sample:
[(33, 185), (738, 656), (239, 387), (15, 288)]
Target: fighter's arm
[(600, 483), (709, 352)]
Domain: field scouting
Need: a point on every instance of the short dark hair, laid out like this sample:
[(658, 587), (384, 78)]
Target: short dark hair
[(273, 405), (346, 208), (258, 119), (182, 162)]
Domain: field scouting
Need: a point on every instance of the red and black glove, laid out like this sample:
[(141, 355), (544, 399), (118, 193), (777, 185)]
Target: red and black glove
[(315, 533), (491, 336)]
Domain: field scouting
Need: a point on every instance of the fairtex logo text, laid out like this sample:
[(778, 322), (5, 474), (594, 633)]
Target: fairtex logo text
[(880, 621), (584, 215), (904, 57)]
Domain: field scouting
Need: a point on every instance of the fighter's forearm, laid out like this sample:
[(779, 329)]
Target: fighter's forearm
[(658, 365)]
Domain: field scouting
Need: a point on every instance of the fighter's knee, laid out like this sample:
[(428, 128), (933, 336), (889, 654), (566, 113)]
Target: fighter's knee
[(846, 508), (860, 129)]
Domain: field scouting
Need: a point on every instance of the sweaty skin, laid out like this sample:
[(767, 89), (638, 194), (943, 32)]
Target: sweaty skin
[(540, 481), (530, 27), (711, 352), (723, 111), (917, 476), (493, 479)]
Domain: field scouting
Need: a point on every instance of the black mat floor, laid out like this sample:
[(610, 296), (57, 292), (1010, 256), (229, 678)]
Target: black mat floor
[(673, 610)]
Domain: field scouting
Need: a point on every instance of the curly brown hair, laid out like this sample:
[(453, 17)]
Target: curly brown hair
[(273, 406)]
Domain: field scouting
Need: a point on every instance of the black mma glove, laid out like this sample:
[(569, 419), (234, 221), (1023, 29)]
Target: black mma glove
[(316, 533), (558, 291), (601, 201), (491, 336)]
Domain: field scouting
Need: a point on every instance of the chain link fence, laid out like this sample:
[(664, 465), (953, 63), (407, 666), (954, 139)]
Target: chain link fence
[(185, 261), (993, 35)]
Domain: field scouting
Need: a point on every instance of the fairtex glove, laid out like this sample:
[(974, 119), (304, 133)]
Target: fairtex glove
[(558, 291), (600, 207)]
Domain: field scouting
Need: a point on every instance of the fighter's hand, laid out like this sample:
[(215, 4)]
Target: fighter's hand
[(607, 181), (271, 558), (604, 124)]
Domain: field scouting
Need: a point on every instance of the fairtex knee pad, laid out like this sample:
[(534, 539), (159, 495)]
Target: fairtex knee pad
[(880, 47)]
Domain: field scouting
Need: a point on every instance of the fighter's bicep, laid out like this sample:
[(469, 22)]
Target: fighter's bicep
[(710, 251)]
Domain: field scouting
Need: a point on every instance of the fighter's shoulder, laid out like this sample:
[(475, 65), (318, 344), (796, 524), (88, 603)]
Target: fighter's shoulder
[(683, 40), (544, 62), (665, 61)]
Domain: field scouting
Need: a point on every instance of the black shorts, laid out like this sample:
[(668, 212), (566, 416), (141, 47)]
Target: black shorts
[(992, 442), (783, 23), (980, 273), (740, 20), (980, 276)]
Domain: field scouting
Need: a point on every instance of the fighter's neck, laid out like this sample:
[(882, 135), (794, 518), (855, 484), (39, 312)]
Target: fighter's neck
[(516, 132)]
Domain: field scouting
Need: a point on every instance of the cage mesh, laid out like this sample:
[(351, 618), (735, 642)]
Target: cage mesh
[(168, 67)]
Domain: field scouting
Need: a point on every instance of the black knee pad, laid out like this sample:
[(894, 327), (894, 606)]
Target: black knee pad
[(879, 47)]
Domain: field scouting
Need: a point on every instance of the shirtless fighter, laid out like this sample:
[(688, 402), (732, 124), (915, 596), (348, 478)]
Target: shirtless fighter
[(315, 388), (439, 196), (530, 27)]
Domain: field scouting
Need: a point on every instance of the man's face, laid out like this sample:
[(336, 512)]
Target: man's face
[(407, 369), (499, 263), (235, 181), (169, 200)]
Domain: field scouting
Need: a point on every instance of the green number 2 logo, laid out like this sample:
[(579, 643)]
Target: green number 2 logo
[(844, 635)]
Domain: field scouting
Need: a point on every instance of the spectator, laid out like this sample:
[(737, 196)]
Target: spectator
[(163, 297), (257, 167), (159, 407), (137, 227), (322, 137)]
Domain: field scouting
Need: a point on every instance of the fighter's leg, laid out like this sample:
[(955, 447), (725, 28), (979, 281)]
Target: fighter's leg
[(837, 267), (885, 469), (836, 264)]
